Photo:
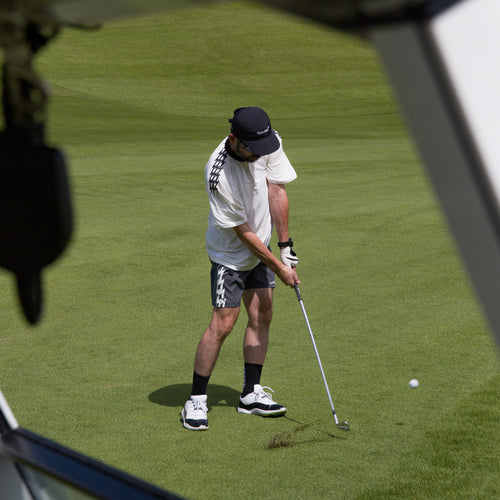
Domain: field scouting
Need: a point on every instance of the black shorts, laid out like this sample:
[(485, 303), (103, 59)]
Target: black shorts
[(228, 285)]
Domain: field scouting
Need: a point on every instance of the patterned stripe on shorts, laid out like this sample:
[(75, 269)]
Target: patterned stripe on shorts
[(220, 293)]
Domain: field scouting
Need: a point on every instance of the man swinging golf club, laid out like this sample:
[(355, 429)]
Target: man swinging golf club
[(245, 180)]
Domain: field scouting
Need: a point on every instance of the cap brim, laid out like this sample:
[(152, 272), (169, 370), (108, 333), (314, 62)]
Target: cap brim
[(264, 145)]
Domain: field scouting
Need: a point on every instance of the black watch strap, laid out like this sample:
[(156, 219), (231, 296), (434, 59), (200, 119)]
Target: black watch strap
[(284, 244)]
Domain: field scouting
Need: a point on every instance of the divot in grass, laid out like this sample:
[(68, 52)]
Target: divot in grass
[(282, 439)]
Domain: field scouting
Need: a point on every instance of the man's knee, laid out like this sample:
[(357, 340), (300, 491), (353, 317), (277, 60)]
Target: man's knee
[(265, 312), (223, 321)]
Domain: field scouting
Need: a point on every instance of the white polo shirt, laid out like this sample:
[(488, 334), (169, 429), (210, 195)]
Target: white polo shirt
[(237, 193)]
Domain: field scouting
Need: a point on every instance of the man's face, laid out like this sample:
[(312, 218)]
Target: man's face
[(241, 149)]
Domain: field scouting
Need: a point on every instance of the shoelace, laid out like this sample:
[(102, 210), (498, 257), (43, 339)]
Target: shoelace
[(198, 406), (262, 394)]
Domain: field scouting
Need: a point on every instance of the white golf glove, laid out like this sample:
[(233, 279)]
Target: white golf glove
[(288, 257)]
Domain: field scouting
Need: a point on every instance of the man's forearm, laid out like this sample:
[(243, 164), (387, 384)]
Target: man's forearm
[(254, 243), (279, 208)]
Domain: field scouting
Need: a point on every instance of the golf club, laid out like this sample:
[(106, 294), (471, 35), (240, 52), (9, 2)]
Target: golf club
[(343, 426)]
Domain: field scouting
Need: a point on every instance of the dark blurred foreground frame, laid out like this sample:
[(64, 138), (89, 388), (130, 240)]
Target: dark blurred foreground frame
[(451, 107)]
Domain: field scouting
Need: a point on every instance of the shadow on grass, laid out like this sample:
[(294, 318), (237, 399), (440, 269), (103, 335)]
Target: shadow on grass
[(177, 394), (286, 439)]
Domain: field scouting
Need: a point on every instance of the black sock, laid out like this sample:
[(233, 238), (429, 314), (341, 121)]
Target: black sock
[(252, 377), (200, 384)]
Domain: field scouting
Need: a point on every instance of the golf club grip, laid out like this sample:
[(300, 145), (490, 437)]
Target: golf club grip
[(297, 291)]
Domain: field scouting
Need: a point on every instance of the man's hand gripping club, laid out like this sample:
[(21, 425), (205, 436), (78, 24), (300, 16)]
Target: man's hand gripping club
[(286, 273)]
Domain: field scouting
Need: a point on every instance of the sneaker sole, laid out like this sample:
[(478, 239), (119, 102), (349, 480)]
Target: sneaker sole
[(262, 413), (201, 427)]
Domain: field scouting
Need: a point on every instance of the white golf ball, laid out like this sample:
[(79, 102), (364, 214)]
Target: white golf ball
[(413, 383)]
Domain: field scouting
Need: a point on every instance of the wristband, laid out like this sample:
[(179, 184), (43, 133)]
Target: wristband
[(284, 244)]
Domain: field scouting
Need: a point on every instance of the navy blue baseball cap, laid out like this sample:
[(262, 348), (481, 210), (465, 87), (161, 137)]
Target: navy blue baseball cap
[(253, 127)]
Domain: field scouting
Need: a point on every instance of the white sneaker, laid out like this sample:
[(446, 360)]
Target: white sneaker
[(260, 402), (194, 413)]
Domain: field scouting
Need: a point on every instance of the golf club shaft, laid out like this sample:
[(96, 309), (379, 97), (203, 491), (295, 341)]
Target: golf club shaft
[(301, 302)]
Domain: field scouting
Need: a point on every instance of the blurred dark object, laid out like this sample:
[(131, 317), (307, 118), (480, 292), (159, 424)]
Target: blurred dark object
[(35, 218), (35, 202)]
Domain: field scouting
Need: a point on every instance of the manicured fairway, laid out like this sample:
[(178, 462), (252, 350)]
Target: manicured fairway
[(138, 106)]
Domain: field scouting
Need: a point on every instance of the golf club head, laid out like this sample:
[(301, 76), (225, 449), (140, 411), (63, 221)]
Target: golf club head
[(343, 426)]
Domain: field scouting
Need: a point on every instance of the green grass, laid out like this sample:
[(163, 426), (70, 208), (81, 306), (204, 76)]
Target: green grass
[(138, 106)]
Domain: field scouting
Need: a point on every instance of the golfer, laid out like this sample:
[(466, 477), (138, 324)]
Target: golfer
[(245, 180)]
